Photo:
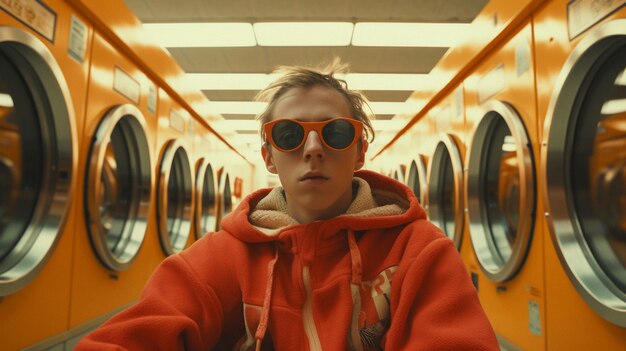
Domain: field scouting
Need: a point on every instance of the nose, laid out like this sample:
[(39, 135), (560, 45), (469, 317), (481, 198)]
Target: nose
[(313, 147)]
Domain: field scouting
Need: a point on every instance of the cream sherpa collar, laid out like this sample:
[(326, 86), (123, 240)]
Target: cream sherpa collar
[(272, 212)]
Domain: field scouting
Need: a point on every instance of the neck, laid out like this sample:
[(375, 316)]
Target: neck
[(305, 214)]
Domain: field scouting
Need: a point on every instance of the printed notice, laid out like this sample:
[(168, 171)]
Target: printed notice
[(491, 83), (78, 40), (582, 14), (124, 84), (152, 99), (534, 317), (34, 14), (177, 121), (522, 58), (443, 119)]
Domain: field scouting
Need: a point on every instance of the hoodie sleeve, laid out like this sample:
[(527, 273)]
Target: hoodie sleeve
[(436, 305), (175, 312)]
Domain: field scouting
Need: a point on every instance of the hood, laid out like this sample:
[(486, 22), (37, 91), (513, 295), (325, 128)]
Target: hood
[(380, 202)]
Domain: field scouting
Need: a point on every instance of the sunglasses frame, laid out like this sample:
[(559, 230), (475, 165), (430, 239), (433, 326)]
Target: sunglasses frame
[(310, 126)]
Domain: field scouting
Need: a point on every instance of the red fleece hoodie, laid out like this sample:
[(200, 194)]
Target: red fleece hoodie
[(378, 277)]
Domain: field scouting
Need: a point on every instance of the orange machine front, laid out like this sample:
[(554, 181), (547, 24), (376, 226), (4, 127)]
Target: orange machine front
[(46, 299), (564, 32), (512, 293), (98, 289)]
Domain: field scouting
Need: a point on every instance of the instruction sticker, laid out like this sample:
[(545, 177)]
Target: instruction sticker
[(35, 14), (124, 84), (583, 14), (522, 58), (152, 99), (534, 317), (77, 46), (491, 83), (177, 121)]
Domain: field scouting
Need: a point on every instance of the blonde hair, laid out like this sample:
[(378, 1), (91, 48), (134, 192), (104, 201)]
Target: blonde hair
[(301, 77)]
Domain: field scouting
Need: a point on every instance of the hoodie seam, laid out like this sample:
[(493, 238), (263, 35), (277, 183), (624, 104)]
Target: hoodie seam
[(208, 290)]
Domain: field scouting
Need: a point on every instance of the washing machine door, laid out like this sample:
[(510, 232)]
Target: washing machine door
[(174, 198), (417, 178), (584, 163), (445, 208), (118, 181), (500, 191), (206, 199), (37, 156), (225, 198)]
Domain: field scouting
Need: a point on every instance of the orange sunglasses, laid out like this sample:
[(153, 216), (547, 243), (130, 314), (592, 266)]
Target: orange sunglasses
[(337, 134)]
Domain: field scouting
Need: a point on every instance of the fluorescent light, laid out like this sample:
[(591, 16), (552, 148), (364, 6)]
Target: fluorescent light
[(409, 34), (384, 81), (303, 33), (509, 144), (258, 81), (6, 100), (228, 81), (237, 107), (201, 34), (255, 108), (612, 107)]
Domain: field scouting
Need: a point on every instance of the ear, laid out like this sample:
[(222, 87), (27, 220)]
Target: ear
[(267, 157), (361, 156)]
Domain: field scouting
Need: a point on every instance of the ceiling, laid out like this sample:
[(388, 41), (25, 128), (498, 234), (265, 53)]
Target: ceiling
[(264, 59)]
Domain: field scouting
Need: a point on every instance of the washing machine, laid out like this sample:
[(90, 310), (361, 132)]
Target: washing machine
[(175, 178), (205, 190), (507, 263), (581, 64), (44, 60), (116, 177), (445, 168), (225, 199), (416, 178)]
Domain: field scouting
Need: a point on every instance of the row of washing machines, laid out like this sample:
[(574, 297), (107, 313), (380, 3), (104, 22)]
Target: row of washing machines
[(103, 174), (523, 166)]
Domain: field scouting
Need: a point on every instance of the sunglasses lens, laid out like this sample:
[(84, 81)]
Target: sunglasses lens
[(287, 135), (338, 134)]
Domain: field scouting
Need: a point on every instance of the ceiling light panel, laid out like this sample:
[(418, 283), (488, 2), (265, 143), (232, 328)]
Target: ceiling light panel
[(409, 34), (255, 107), (258, 81), (303, 33), (201, 34)]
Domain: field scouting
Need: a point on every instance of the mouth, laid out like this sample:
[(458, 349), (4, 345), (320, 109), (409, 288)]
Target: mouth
[(313, 176)]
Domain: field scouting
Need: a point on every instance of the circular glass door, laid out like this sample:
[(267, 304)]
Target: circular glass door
[(500, 191), (417, 178), (444, 189), (37, 149), (117, 187), (206, 199), (225, 198), (584, 159), (174, 196)]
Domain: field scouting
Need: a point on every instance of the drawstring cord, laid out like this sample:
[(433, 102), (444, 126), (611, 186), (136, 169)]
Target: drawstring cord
[(355, 256), (357, 276), (262, 328)]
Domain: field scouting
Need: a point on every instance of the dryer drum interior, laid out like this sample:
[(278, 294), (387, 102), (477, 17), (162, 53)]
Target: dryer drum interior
[(174, 196), (585, 169), (444, 189), (417, 179), (36, 152), (500, 192), (206, 199), (118, 180)]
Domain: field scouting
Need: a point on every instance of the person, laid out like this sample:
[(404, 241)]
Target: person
[(336, 258)]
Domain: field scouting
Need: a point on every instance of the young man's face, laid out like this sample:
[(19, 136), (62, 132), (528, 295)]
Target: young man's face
[(329, 192)]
